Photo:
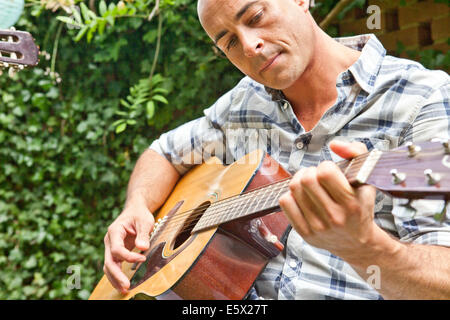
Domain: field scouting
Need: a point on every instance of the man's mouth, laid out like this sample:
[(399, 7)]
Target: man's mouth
[(269, 62)]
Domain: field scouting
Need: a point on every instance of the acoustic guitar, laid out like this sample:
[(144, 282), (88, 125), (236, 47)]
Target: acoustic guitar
[(17, 50), (221, 224)]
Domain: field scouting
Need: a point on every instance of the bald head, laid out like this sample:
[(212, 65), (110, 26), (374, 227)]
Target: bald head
[(268, 40)]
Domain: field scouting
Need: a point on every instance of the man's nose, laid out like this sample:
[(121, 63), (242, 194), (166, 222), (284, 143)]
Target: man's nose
[(252, 45)]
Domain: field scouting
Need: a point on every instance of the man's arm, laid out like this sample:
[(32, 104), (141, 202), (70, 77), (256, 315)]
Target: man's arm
[(151, 182), (410, 271), (330, 214)]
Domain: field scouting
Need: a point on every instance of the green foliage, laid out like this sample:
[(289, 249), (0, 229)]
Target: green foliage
[(146, 92), (64, 167), (72, 128), (430, 58), (88, 22)]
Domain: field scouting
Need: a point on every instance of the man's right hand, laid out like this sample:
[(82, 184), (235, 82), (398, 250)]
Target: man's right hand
[(131, 229)]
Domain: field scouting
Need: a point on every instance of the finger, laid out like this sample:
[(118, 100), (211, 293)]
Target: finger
[(113, 271), (294, 214), (367, 194), (312, 198), (118, 250), (143, 226), (336, 185), (347, 150)]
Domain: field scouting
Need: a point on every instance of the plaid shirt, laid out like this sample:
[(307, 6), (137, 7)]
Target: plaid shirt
[(382, 101)]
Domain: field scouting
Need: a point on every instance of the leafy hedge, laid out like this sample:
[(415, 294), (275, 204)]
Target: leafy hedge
[(64, 168), (72, 128)]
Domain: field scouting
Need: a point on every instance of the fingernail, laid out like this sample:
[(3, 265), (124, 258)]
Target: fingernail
[(142, 243)]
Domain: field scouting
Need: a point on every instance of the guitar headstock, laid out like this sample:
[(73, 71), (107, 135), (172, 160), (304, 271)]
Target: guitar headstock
[(17, 49), (414, 171)]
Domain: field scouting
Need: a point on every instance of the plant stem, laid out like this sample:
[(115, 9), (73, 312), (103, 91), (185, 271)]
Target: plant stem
[(55, 48), (158, 44), (333, 13)]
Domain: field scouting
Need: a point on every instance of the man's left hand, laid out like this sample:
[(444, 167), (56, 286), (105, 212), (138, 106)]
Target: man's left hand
[(327, 211)]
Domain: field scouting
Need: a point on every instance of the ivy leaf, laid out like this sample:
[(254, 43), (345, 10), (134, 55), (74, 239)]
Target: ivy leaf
[(84, 12), (69, 21), (30, 263), (150, 109), (102, 8), (160, 98), (77, 16), (121, 127), (81, 33)]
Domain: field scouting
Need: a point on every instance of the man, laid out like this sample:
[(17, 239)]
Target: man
[(321, 96)]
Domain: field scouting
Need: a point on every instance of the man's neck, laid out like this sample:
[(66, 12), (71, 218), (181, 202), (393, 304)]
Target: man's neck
[(315, 91)]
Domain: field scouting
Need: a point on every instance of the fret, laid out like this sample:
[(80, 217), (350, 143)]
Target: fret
[(241, 205), (246, 206), (270, 188), (224, 213), (211, 213), (231, 215), (352, 167), (283, 187), (348, 164), (263, 196)]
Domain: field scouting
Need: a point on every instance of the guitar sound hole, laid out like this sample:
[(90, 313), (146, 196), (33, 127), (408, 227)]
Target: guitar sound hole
[(189, 224)]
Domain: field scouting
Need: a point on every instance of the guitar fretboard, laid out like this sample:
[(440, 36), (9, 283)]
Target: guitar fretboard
[(264, 200)]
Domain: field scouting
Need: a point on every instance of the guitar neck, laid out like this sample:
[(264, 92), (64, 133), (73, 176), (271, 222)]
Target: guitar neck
[(411, 171), (17, 49), (264, 200)]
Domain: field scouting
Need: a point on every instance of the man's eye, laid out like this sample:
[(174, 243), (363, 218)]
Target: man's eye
[(231, 43), (256, 18)]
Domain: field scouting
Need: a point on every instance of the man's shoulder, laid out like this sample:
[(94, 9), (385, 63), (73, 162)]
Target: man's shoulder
[(413, 72), (249, 86), (243, 93), (246, 94)]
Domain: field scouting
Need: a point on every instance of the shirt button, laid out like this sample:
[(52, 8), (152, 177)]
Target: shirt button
[(293, 264), (285, 105), (300, 145)]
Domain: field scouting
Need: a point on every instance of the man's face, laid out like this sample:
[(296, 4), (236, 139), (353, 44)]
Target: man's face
[(269, 40)]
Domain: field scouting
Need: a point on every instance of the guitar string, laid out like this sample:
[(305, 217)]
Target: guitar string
[(351, 172), (223, 201), (211, 217), (240, 198), (228, 200), (237, 198), (192, 220)]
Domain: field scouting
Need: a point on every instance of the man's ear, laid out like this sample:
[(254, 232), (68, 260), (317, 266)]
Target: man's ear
[(304, 4)]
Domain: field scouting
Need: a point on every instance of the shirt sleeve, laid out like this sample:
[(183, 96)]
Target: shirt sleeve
[(426, 221), (197, 140)]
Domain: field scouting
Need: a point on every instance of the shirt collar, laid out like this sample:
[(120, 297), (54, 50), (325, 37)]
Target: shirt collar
[(364, 70)]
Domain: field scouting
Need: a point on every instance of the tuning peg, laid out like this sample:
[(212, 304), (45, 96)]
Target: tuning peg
[(397, 177), (446, 147), (409, 206), (445, 143), (412, 149), (432, 178), (440, 216), (12, 72)]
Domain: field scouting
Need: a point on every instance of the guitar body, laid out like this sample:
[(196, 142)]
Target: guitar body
[(218, 263)]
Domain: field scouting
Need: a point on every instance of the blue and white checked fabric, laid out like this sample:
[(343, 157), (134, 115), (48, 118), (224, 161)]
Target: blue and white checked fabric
[(383, 101)]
